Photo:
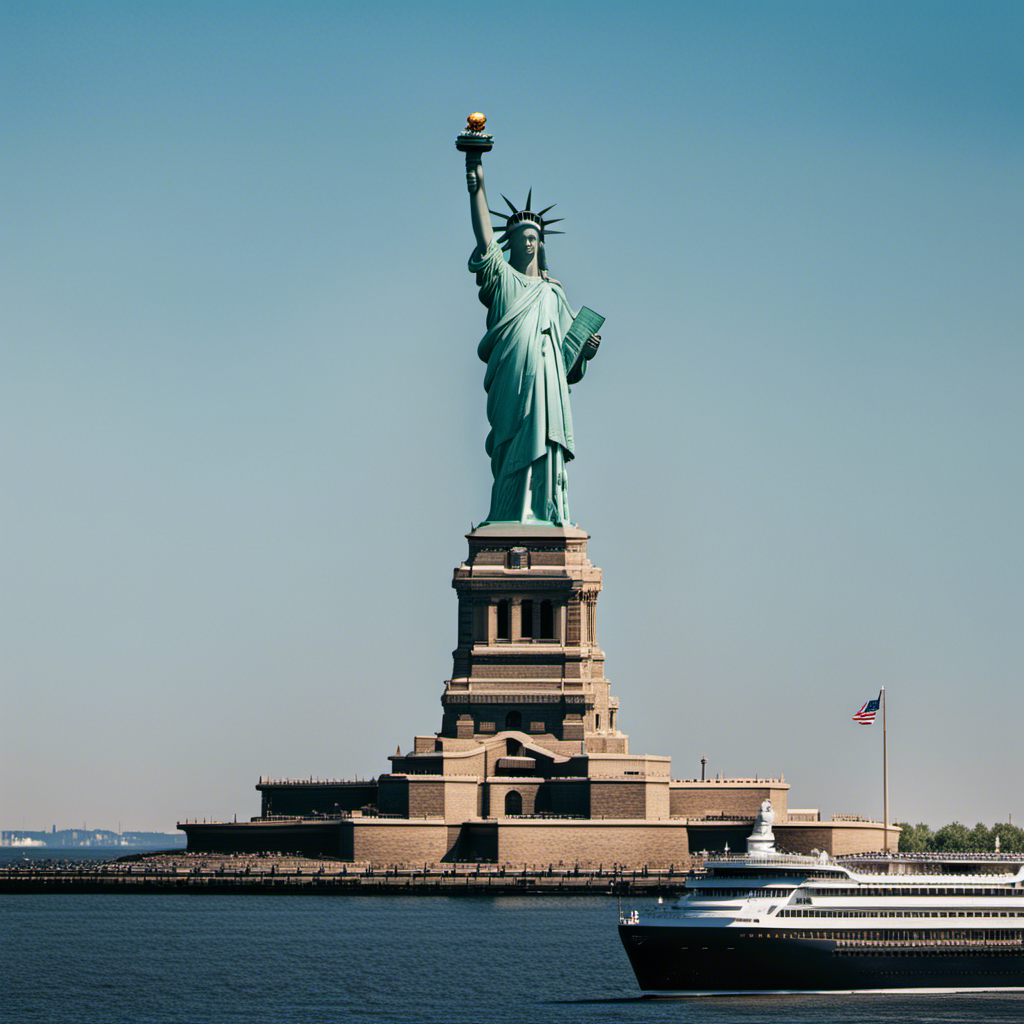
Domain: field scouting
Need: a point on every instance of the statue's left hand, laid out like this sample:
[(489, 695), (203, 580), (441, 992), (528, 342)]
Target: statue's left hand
[(590, 346)]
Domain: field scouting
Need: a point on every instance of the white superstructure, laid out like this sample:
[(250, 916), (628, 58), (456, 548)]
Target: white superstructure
[(814, 923)]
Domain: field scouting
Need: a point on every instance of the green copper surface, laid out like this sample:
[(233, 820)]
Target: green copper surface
[(534, 348), (531, 437)]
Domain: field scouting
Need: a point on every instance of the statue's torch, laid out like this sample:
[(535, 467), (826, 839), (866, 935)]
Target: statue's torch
[(474, 142), (473, 139)]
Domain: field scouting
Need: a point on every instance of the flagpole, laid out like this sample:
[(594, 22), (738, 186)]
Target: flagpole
[(885, 777)]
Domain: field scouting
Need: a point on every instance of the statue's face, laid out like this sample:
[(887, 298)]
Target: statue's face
[(524, 244)]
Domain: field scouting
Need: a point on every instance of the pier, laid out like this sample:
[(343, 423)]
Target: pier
[(278, 875)]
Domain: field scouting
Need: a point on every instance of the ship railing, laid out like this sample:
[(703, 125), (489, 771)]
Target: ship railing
[(771, 858), (934, 855), (692, 913), (971, 943), (715, 816)]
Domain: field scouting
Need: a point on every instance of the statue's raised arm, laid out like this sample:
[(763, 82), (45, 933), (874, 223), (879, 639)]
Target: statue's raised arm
[(534, 347), (474, 143)]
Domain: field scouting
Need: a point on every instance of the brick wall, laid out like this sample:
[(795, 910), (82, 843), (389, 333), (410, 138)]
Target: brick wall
[(473, 765), (588, 843), (511, 670), (612, 765), (629, 798), (690, 800), (657, 798), (601, 744), (835, 838), (462, 799), (614, 798), (426, 797), (371, 840), (593, 843)]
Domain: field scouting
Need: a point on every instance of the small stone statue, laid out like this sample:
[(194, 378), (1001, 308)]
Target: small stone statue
[(529, 350), (764, 820), (761, 841)]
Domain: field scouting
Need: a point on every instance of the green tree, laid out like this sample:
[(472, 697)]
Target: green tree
[(1011, 837), (952, 838), (958, 838), (981, 838), (914, 838)]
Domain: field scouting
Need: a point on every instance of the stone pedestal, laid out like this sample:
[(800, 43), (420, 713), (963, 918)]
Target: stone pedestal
[(528, 658)]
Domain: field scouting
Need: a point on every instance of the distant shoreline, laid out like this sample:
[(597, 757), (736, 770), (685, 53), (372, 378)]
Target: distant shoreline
[(57, 854)]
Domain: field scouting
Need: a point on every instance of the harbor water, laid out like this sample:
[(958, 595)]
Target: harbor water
[(111, 958)]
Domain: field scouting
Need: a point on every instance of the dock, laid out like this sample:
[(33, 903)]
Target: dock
[(297, 876)]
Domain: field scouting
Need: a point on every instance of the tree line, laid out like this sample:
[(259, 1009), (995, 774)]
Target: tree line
[(957, 838)]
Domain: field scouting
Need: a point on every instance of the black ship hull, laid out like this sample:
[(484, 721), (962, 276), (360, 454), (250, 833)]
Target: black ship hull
[(685, 960)]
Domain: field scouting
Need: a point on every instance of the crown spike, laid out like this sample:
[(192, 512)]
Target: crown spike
[(517, 218)]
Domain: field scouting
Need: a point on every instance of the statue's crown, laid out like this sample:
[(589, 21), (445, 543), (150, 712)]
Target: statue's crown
[(525, 216)]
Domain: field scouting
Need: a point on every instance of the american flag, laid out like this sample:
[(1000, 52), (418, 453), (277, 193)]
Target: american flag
[(866, 715)]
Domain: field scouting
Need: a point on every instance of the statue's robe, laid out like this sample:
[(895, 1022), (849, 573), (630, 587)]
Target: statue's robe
[(531, 439)]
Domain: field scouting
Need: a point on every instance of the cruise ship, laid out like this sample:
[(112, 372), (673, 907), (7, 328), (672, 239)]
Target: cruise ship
[(770, 922)]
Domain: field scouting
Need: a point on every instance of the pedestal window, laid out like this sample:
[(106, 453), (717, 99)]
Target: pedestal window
[(526, 621), (547, 621), (518, 558)]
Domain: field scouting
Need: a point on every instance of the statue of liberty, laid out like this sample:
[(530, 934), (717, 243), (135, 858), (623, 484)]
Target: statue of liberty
[(533, 351)]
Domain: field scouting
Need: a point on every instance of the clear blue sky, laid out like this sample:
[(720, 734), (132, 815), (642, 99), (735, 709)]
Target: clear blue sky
[(243, 418)]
